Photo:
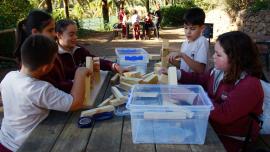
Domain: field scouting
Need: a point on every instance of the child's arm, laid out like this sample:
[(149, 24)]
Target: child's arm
[(194, 65), (78, 88)]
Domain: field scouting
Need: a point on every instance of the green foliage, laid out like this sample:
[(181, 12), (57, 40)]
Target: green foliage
[(260, 5), (237, 5), (58, 13), (11, 11), (173, 15), (207, 5)]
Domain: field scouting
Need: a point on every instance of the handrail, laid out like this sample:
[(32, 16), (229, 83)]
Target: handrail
[(8, 30)]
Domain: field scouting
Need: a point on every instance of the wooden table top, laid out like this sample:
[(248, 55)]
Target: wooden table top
[(59, 132)]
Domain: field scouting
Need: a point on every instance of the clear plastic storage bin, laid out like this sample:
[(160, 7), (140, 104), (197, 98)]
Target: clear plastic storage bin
[(169, 114), (137, 57)]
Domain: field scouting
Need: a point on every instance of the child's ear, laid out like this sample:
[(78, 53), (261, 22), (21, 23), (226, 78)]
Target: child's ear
[(47, 68), (58, 35), (34, 31)]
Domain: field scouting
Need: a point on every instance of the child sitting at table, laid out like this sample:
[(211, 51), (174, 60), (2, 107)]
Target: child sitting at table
[(135, 20), (194, 50), (27, 100), (234, 88), (73, 55), (40, 22)]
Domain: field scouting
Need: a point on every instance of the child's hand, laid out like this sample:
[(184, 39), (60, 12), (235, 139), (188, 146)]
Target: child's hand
[(118, 69), (174, 59), (163, 71), (83, 71)]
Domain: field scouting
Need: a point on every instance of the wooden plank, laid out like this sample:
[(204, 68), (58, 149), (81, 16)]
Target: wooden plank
[(127, 144), (212, 142), (172, 148), (46, 133), (98, 86), (106, 135), (71, 134), (72, 138)]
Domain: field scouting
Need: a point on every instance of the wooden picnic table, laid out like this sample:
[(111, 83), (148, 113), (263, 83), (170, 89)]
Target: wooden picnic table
[(59, 132)]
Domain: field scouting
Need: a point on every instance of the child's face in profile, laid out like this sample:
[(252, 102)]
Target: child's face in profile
[(49, 30), (221, 59), (68, 38), (192, 32)]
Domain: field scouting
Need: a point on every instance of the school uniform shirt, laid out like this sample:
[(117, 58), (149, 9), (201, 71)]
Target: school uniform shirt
[(57, 76), (76, 58), (135, 19), (196, 50), (27, 101), (232, 103)]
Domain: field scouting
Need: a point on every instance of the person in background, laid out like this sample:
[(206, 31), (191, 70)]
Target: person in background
[(40, 22), (135, 20), (121, 23), (234, 88), (157, 20), (27, 100), (193, 53), (73, 55), (125, 29), (147, 24)]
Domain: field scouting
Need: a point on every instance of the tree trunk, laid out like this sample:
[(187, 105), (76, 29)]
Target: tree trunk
[(66, 8), (105, 13), (48, 6), (147, 6)]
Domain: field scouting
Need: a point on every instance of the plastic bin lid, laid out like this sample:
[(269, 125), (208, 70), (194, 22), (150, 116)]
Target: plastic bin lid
[(145, 96)]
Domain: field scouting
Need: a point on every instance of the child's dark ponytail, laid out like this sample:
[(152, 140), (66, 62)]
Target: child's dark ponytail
[(20, 37)]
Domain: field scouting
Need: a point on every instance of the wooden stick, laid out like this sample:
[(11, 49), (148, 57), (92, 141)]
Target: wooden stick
[(117, 93), (91, 112), (89, 64), (172, 76), (106, 101)]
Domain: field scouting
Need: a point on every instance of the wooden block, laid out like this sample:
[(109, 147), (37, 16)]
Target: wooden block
[(117, 101), (133, 74), (147, 75), (158, 64), (130, 80), (131, 68), (146, 94), (91, 112), (165, 43), (117, 93), (152, 79), (115, 78), (154, 56), (163, 79), (125, 86), (164, 115), (172, 76), (96, 64), (106, 101), (89, 64)]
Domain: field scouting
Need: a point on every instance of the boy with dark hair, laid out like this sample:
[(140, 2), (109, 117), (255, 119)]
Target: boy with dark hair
[(27, 100), (194, 50)]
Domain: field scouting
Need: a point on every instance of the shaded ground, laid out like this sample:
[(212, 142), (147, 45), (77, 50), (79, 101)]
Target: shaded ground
[(102, 44)]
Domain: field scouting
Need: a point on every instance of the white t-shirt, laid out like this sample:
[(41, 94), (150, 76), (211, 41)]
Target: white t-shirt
[(135, 18), (196, 50), (27, 101)]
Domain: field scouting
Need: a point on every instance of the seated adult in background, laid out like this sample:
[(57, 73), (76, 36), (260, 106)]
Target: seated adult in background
[(73, 55)]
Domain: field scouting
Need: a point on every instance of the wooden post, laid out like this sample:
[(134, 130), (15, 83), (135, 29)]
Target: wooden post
[(164, 52), (89, 64)]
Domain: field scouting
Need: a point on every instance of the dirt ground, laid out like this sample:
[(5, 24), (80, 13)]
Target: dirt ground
[(103, 44)]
